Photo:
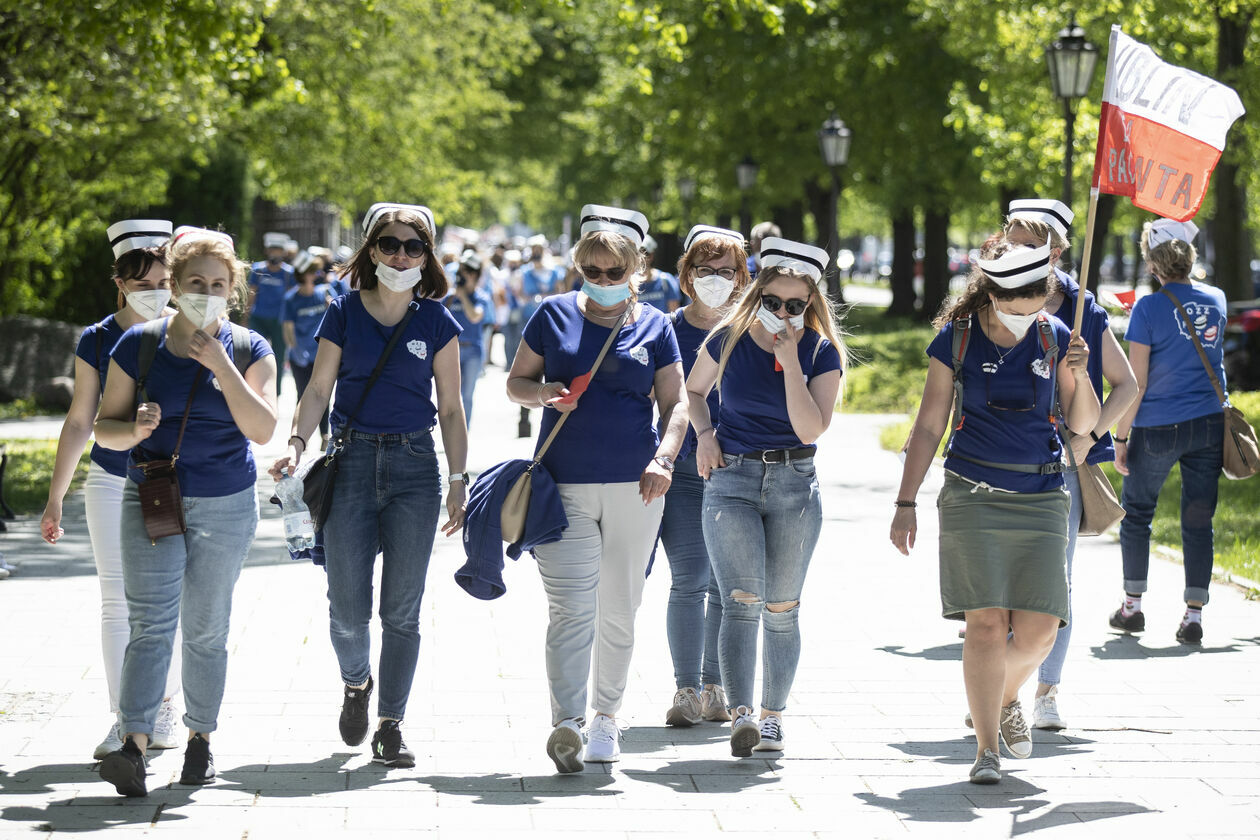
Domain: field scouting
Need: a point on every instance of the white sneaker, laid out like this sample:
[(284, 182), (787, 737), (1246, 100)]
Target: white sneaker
[(771, 734), (112, 742), (686, 708), (1046, 711), (603, 740), (564, 747), (745, 732), (713, 703), (165, 735)]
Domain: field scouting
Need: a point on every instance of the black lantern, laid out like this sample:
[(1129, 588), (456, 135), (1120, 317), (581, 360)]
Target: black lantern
[(1071, 60)]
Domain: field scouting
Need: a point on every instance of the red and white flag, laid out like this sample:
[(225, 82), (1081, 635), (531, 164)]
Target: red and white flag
[(1162, 130)]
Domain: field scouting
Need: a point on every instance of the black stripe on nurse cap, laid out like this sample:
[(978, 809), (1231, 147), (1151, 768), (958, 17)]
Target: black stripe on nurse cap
[(1018, 267), (784, 253), (379, 209), (1054, 213), (130, 234), (707, 230), (629, 223)]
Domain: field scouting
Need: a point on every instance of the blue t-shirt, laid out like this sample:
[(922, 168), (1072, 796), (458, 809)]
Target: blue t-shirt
[(401, 401), (689, 338), (1094, 323), (103, 335), (471, 337), (1019, 430), (269, 286), (609, 437), (340, 285), (306, 312), (659, 289), (1177, 386), (215, 458), (754, 395), (538, 282)]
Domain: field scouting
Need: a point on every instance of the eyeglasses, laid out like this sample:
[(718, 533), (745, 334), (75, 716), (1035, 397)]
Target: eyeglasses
[(389, 246), (709, 271), (794, 306), (591, 272), (1009, 404)]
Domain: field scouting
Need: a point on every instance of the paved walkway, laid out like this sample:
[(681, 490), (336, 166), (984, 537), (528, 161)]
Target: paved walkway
[(1164, 739)]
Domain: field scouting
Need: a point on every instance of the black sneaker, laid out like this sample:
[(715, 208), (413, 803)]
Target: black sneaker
[(1134, 623), (1190, 633), (354, 714), (124, 769), (198, 762), (388, 747)]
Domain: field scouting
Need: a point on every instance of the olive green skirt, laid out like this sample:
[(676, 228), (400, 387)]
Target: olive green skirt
[(1006, 550)]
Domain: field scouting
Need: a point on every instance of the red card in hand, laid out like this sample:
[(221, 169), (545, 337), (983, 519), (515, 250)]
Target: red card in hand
[(576, 389)]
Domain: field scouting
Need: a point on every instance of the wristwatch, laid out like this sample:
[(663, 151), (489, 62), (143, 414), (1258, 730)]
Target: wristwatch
[(458, 477)]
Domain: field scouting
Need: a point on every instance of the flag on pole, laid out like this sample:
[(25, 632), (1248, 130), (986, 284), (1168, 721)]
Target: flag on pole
[(1162, 130)]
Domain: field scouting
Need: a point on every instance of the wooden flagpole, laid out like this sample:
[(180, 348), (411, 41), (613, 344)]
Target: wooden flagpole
[(1083, 277)]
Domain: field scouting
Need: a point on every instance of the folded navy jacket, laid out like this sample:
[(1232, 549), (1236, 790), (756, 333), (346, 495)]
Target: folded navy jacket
[(482, 576)]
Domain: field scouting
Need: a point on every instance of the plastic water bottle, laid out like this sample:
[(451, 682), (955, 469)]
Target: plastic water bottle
[(299, 530)]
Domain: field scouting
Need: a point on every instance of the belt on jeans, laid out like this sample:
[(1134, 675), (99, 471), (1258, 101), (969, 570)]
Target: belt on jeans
[(779, 456)]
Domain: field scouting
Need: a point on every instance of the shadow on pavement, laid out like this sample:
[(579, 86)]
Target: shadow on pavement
[(735, 776), (328, 775), (963, 750), (1131, 647), (86, 813), (940, 653), (506, 789), (645, 740)]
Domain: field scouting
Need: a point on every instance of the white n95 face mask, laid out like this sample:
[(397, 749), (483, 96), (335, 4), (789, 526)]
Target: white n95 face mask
[(1017, 324), (395, 280), (202, 310), (713, 290), (148, 303)]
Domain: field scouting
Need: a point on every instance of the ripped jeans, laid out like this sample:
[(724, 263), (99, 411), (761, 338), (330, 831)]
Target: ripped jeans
[(761, 523)]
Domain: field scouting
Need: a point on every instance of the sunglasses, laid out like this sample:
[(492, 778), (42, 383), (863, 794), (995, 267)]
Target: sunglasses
[(614, 274), (794, 306), (389, 246), (709, 271)]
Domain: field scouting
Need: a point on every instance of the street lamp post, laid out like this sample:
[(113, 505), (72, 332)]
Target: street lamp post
[(687, 191), (833, 141), (746, 176), (1071, 60)]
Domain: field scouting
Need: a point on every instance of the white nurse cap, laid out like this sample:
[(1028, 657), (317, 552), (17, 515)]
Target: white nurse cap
[(707, 230), (1165, 230), (379, 209), (131, 234), (629, 223), (798, 256), (1019, 266)]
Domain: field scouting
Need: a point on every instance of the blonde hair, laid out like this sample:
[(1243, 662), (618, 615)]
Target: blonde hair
[(1170, 260), (820, 317), (706, 247), (182, 253), (622, 248), (1039, 229)]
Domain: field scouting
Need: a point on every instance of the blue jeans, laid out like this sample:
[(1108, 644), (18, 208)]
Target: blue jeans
[(692, 630), (469, 370), (761, 523), (1051, 670), (387, 496), (188, 580), (1197, 445)]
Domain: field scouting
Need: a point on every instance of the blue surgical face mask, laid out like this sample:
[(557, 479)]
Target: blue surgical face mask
[(606, 295)]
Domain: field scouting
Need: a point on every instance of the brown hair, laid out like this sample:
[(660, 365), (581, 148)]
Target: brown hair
[(820, 316), (1171, 260), (136, 263), (707, 247), (182, 253), (362, 270), (622, 248), (980, 286)]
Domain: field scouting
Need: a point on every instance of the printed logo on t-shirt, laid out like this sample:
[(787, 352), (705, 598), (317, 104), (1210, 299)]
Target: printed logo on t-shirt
[(418, 348), (640, 355), (214, 380), (1205, 319), (1041, 367)]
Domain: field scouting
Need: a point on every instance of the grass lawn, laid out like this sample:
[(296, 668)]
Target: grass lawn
[(29, 468), (889, 364), (19, 409)]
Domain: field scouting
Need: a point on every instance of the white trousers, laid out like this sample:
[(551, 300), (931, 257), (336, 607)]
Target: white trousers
[(102, 503), (594, 579)]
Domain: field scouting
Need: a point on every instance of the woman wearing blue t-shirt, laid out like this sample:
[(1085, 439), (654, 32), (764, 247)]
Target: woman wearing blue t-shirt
[(470, 304), (1003, 508), (1178, 420), (713, 273), (611, 467), (186, 579), (304, 307), (388, 494), (1030, 222), (776, 360), (143, 291)]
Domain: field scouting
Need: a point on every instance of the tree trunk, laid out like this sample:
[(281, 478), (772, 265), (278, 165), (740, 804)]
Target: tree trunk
[(791, 220), (1102, 224), (903, 263), (935, 262), (1233, 273)]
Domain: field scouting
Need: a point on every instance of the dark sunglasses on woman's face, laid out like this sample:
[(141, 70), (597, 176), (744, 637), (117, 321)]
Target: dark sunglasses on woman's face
[(591, 272), (389, 246), (795, 306)]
